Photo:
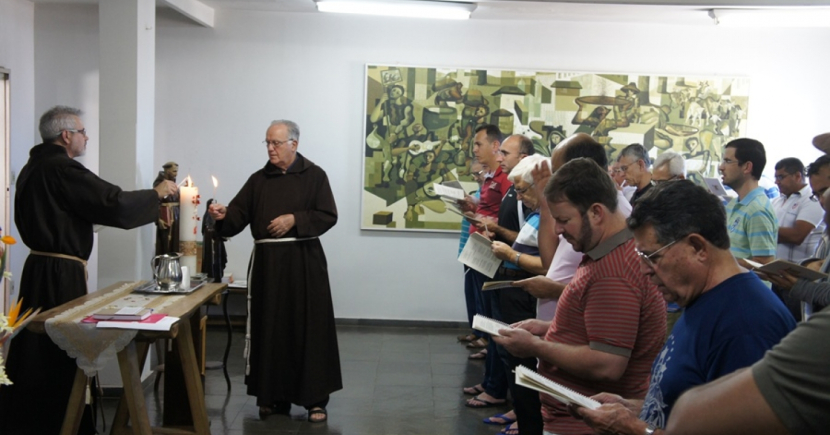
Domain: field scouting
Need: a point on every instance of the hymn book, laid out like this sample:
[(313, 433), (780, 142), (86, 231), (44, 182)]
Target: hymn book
[(777, 266), (127, 314), (530, 379), (449, 192), (494, 285), (488, 325), (478, 255)]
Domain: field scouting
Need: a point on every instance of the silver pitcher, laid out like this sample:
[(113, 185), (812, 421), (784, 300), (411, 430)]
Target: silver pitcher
[(167, 271)]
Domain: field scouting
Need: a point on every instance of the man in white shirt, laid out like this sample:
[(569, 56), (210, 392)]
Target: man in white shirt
[(800, 222)]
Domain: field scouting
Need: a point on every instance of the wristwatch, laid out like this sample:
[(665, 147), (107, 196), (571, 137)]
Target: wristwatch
[(650, 429)]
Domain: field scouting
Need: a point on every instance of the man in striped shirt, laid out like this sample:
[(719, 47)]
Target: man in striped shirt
[(750, 219), (611, 320)]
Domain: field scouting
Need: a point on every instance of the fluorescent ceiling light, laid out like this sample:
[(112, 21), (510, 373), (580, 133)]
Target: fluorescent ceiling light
[(772, 17), (400, 8)]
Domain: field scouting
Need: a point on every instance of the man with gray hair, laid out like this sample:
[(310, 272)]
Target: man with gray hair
[(56, 204), (635, 164), (291, 342), (668, 166)]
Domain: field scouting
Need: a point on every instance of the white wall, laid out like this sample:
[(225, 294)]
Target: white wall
[(217, 89), (17, 54)]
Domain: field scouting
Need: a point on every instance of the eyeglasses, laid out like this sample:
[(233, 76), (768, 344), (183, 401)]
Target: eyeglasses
[(817, 194), (275, 143), (652, 259), (659, 182), (780, 177), (478, 173), (522, 191), (730, 161), (82, 131)]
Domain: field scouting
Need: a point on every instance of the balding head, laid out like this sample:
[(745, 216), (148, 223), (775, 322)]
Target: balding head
[(578, 145)]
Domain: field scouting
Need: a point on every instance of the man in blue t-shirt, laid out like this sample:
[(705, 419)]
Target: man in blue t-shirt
[(730, 317)]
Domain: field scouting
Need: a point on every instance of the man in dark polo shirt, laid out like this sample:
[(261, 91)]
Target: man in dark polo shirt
[(636, 165)]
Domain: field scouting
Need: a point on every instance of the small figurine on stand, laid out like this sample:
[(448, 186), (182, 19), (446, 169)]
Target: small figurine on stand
[(214, 257), (167, 225)]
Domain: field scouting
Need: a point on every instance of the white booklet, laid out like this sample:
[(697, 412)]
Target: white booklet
[(715, 186), (530, 379), (478, 255), (449, 192), (488, 325)]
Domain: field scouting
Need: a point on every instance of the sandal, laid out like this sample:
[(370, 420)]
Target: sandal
[(513, 429), (499, 420), (317, 411), (467, 338), (478, 403), (480, 343), (482, 354), (475, 390)]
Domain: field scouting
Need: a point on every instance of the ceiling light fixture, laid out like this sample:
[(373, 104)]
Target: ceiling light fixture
[(400, 8), (771, 17)]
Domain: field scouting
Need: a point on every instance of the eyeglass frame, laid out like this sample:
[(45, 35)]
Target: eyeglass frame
[(523, 191), (659, 182), (781, 177), (276, 143), (82, 131), (730, 161), (647, 258)]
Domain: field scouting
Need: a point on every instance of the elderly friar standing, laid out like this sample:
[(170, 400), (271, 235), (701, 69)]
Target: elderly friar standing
[(292, 354)]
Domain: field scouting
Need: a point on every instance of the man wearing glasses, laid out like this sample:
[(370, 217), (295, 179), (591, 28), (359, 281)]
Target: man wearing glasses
[(730, 319), (56, 204), (635, 164), (750, 219)]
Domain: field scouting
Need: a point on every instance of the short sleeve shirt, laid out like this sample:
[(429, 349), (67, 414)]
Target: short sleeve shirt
[(612, 307), (752, 226), (799, 206)]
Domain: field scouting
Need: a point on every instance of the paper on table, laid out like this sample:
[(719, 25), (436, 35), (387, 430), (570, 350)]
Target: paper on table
[(478, 255), (530, 379), (488, 325), (450, 192), (162, 325)]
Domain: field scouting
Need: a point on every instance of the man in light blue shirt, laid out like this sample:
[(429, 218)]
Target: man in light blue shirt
[(750, 219)]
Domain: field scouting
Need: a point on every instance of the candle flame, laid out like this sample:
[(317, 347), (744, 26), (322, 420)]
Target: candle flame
[(188, 182), (215, 182)]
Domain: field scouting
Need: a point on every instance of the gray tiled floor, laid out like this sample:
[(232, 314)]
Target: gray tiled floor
[(397, 381)]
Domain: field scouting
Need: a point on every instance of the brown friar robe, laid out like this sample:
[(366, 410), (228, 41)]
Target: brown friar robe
[(293, 351), (56, 203)]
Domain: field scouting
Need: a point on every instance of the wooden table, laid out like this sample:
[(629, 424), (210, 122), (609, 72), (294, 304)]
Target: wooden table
[(182, 373)]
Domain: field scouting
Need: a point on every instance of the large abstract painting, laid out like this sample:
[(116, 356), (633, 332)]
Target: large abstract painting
[(420, 124)]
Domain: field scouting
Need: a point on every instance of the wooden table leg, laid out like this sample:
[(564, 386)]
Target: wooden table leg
[(131, 378), (192, 379), (122, 414), (75, 407)]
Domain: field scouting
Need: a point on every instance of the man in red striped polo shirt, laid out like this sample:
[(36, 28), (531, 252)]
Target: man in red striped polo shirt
[(611, 320)]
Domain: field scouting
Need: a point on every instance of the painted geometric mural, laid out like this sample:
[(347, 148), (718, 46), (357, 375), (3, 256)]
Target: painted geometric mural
[(420, 124)]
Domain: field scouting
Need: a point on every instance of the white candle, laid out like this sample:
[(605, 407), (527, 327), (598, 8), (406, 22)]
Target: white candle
[(188, 222)]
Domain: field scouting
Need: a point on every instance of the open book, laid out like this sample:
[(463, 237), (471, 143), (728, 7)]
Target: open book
[(448, 191), (530, 379), (488, 325), (775, 267), (478, 255), (124, 314), (495, 285)]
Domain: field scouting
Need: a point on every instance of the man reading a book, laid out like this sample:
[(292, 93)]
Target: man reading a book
[(730, 317), (610, 322)]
